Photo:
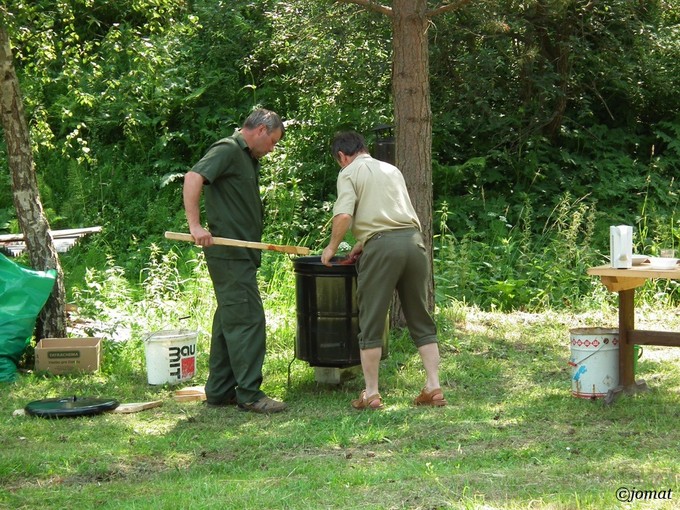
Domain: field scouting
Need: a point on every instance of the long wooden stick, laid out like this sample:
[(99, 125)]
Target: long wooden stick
[(225, 241)]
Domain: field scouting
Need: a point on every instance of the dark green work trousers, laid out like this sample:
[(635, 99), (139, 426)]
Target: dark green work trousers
[(394, 259), (237, 346)]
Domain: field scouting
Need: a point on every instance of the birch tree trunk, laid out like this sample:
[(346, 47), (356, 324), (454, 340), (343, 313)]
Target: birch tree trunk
[(32, 220)]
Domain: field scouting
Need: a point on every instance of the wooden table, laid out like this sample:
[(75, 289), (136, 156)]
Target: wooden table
[(625, 281)]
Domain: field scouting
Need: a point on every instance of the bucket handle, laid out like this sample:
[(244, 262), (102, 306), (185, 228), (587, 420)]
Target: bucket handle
[(146, 338), (575, 364)]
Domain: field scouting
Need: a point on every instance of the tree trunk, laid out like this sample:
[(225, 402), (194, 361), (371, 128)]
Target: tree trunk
[(412, 114), (32, 221)]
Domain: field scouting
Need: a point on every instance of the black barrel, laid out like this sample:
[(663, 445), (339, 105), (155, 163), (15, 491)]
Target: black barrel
[(327, 314)]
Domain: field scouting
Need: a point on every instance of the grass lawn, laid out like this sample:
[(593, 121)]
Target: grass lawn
[(512, 436)]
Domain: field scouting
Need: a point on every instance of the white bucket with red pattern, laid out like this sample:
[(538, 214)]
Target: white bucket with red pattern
[(594, 361)]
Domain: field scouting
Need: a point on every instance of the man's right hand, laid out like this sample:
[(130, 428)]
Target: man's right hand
[(201, 236), (326, 256)]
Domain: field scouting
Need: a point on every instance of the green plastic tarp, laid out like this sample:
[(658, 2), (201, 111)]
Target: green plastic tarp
[(23, 293)]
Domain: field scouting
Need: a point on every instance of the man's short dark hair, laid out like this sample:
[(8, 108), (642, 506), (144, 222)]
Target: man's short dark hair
[(349, 143)]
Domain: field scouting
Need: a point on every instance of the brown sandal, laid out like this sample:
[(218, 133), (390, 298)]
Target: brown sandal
[(364, 402), (432, 398)]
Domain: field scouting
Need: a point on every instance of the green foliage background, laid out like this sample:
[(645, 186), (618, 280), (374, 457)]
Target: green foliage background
[(553, 119)]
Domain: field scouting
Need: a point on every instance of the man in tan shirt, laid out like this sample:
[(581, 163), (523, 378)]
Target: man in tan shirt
[(390, 254)]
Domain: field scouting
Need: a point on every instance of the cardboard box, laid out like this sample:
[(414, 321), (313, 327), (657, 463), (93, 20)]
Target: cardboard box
[(68, 355)]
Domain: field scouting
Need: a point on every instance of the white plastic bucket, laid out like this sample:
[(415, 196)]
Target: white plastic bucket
[(171, 356), (594, 361)]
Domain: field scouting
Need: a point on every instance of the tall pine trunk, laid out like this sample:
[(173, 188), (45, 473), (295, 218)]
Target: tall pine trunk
[(412, 115), (32, 220)]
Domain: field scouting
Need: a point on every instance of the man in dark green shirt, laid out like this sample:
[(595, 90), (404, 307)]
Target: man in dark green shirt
[(228, 177)]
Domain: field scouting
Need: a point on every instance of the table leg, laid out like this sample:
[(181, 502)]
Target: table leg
[(626, 324)]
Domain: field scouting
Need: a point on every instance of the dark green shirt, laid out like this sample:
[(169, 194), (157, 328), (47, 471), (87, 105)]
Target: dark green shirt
[(232, 196)]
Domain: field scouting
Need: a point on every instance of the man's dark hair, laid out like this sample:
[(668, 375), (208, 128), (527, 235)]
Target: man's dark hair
[(349, 143), (266, 118)]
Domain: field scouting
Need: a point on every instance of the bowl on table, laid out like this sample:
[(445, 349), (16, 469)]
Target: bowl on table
[(663, 263), (639, 259)]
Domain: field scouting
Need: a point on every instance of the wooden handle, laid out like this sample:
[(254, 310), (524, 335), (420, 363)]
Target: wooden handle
[(225, 241)]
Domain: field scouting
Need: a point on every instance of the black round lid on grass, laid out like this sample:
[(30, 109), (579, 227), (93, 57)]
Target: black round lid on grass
[(70, 406)]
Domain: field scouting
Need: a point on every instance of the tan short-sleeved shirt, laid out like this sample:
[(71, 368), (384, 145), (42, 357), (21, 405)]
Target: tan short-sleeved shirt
[(374, 194)]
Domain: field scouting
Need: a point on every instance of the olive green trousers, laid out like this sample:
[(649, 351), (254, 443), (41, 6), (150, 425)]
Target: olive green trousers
[(238, 343), (394, 260)]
